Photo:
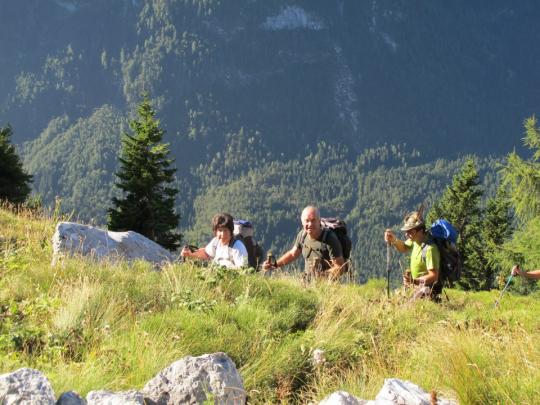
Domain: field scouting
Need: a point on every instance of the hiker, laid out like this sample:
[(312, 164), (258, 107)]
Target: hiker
[(320, 248), (223, 249), (425, 257), (532, 275)]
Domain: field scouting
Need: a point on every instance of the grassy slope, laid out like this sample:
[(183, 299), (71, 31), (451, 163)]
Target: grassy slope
[(91, 326)]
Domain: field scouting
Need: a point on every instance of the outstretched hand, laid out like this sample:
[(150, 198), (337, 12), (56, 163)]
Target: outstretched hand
[(389, 236), (516, 271)]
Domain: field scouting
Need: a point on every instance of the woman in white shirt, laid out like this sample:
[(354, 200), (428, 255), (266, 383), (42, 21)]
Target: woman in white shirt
[(223, 249)]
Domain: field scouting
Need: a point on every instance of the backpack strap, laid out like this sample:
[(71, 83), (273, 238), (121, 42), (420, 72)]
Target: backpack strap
[(323, 240), (425, 246)]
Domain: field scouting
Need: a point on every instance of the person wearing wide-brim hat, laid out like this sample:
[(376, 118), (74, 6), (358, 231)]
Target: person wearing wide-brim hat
[(425, 256)]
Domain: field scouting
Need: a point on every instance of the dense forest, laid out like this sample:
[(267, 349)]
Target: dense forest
[(365, 109)]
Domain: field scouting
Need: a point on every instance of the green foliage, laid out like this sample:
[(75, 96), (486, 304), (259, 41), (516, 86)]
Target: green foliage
[(144, 178), (522, 177), (84, 185), (14, 181), (460, 204), (497, 228)]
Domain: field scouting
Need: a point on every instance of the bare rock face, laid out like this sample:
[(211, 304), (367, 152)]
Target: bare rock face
[(341, 398), (71, 238), (26, 386), (397, 391), (393, 392), (189, 380), (71, 398), (115, 398)]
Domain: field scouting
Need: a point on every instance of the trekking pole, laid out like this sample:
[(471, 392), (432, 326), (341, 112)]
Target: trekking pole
[(388, 260), (503, 291)]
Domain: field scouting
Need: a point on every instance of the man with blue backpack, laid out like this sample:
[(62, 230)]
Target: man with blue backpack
[(423, 274), (435, 258)]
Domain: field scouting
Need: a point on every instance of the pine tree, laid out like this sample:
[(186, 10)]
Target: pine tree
[(145, 175), (496, 230), (14, 181), (460, 204), (522, 177)]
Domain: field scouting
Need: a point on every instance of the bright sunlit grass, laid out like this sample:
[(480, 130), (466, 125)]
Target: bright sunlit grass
[(113, 326)]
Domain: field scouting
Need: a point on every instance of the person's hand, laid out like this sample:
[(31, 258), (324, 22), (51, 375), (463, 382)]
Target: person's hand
[(186, 252), (268, 266), (516, 270), (389, 236), (407, 279)]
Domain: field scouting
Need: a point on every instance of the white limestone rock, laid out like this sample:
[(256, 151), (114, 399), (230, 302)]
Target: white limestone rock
[(103, 397), (400, 392), (341, 398), (187, 381), (393, 392), (72, 238), (26, 386)]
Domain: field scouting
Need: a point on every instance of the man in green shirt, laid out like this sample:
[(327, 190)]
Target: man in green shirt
[(320, 248), (425, 256)]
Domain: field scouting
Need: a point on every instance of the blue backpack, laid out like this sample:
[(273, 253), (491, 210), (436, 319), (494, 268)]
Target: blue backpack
[(444, 236)]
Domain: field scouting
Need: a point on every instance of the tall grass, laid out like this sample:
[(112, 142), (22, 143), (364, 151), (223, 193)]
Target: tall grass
[(97, 325)]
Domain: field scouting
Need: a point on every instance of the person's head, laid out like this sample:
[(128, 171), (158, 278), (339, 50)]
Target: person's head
[(223, 227), (414, 226), (311, 221)]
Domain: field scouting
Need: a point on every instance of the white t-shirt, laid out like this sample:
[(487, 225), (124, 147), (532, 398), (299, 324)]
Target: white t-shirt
[(232, 257)]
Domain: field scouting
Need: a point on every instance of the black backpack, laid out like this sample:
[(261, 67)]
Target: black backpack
[(339, 228), (243, 230), (444, 236)]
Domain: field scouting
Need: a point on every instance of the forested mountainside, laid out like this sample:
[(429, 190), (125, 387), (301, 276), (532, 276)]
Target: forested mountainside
[(361, 107)]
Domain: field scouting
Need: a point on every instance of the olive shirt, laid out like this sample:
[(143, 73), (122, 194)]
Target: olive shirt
[(318, 252), (419, 266)]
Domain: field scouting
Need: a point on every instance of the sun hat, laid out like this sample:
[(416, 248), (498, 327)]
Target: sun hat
[(413, 219)]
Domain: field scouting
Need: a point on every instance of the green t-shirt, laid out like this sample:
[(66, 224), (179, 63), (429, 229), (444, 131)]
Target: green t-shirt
[(419, 266), (318, 254)]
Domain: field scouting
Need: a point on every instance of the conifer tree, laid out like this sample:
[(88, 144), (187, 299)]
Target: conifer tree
[(522, 177), (460, 204), (145, 175), (496, 230), (14, 181)]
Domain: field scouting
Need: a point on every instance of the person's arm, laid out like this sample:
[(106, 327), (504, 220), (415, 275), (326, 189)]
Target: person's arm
[(428, 279), (289, 257), (531, 275), (390, 238), (198, 254)]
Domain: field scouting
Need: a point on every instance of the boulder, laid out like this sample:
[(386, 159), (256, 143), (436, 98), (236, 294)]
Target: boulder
[(71, 398), (25, 386), (341, 398), (115, 398), (397, 391), (189, 380), (72, 238), (393, 392)]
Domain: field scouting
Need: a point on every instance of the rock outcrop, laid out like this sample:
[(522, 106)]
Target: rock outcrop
[(115, 398), (26, 386), (191, 381), (393, 392), (72, 238), (188, 381)]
